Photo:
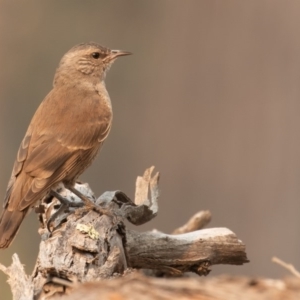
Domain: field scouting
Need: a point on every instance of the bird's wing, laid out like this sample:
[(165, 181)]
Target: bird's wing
[(47, 155), (18, 165), (51, 161)]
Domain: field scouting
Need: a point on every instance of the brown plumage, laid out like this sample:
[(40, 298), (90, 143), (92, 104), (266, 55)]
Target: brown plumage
[(64, 135)]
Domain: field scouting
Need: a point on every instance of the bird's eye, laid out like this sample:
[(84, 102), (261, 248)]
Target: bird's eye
[(96, 55)]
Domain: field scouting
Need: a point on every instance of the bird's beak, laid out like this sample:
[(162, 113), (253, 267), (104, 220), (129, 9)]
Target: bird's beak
[(116, 53)]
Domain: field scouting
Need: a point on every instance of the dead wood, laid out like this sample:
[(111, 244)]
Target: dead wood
[(138, 287), (191, 252), (135, 286), (82, 245)]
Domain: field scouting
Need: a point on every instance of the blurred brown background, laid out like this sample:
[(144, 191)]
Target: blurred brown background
[(211, 97)]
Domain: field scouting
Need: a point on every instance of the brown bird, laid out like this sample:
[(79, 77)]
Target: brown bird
[(64, 135)]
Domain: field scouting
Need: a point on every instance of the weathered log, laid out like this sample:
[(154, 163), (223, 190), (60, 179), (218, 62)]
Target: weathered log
[(83, 245)]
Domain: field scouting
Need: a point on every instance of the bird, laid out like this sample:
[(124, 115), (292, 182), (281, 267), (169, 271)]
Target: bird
[(64, 135)]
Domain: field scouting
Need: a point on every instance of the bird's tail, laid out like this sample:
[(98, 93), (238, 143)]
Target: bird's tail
[(10, 222)]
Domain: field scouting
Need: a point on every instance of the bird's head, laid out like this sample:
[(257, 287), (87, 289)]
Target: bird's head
[(89, 59)]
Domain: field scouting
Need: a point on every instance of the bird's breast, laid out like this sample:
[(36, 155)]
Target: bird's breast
[(103, 94)]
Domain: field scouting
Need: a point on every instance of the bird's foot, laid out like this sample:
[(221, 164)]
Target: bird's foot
[(62, 208), (88, 203), (64, 201)]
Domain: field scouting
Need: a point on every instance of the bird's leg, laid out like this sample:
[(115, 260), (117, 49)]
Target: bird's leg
[(65, 204), (87, 202)]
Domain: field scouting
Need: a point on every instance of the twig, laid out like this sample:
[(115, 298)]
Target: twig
[(196, 222), (62, 282), (289, 267)]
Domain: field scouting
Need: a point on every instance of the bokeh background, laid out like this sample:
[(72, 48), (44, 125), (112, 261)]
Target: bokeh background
[(211, 97)]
